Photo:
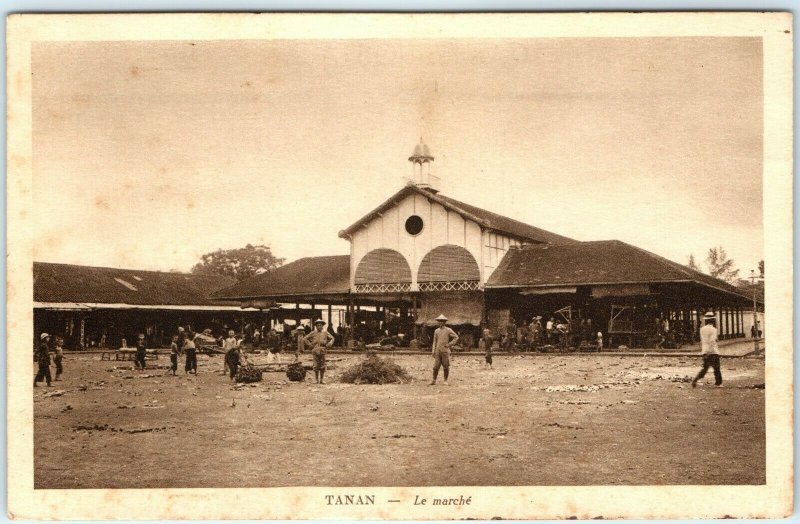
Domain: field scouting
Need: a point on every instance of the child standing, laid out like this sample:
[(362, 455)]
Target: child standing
[(141, 352), (173, 356), (59, 357)]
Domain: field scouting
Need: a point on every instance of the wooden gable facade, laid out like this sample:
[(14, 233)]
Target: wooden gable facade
[(419, 241)]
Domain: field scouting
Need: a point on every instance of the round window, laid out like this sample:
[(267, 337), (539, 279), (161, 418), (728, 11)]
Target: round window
[(414, 225)]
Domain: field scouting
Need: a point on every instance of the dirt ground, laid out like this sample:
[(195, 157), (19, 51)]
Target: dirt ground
[(532, 420)]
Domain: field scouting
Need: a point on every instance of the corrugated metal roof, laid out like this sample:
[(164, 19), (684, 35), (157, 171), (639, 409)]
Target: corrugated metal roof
[(485, 218), (67, 283), (307, 276), (598, 262)]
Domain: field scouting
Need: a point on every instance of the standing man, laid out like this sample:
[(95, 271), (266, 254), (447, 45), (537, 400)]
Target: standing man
[(511, 335), (709, 350), (43, 359), (444, 339), (536, 332), (550, 327), (319, 340), (191, 356)]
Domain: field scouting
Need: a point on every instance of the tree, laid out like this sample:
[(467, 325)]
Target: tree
[(238, 263), (761, 268), (693, 264), (720, 266)]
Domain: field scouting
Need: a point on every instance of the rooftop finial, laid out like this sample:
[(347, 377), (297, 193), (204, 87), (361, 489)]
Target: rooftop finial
[(422, 154)]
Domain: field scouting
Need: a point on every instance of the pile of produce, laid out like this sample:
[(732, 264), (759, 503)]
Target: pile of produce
[(296, 372), (376, 370), (248, 373)]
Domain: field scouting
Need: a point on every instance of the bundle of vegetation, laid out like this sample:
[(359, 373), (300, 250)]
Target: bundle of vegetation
[(296, 372), (376, 370), (248, 373)]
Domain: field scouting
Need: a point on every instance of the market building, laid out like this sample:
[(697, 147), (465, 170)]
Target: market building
[(420, 254), (101, 307)]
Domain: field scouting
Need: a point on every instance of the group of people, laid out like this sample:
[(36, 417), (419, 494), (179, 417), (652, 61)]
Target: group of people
[(317, 340), (444, 338), (533, 335), (182, 344), (42, 357), (320, 340)]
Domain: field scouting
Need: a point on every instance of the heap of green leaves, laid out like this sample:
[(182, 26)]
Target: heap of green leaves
[(248, 373), (296, 372), (376, 370)]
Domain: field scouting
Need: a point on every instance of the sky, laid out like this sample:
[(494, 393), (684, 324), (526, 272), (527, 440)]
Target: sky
[(148, 154)]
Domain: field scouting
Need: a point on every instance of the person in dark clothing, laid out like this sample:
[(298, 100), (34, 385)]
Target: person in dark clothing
[(43, 359), (232, 359), (488, 342), (141, 352), (173, 356)]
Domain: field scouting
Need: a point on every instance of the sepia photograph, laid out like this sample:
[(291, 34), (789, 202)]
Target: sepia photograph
[(386, 268)]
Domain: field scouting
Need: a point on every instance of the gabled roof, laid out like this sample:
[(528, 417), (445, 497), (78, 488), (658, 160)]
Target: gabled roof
[(67, 283), (328, 275), (587, 263), (485, 218)]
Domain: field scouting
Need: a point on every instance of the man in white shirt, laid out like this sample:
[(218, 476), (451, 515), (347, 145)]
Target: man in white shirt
[(709, 350), (444, 338)]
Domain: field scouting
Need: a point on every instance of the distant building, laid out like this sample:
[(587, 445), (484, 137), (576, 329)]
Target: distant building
[(420, 254), (93, 306)]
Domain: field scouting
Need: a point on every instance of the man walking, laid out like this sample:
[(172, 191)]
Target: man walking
[(43, 359), (709, 350), (444, 339), (319, 340)]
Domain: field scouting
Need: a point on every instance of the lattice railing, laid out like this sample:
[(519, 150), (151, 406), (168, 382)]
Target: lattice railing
[(392, 287), (458, 285)]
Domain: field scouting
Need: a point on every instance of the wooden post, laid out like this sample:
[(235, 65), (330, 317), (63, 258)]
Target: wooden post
[(351, 321), (416, 329)]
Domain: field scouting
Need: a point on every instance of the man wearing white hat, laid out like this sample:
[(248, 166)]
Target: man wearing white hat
[(709, 350), (444, 339)]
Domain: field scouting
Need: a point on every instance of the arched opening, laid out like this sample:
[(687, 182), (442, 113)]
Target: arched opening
[(382, 271), (448, 268)]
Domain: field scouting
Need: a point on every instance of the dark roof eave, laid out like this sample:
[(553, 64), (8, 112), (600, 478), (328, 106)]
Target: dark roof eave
[(283, 295), (564, 284)]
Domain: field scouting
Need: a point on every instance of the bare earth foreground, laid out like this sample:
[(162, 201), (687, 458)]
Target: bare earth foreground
[(533, 420)]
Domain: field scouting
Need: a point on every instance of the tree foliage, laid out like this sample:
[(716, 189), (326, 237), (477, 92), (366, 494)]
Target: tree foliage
[(693, 263), (761, 268), (238, 263), (720, 266)]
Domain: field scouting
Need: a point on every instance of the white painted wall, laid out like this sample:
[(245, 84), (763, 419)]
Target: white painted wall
[(440, 227), (495, 247)]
